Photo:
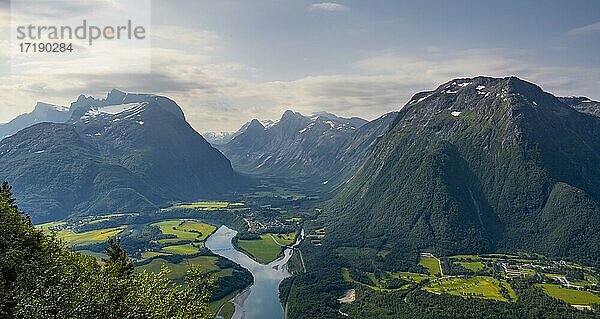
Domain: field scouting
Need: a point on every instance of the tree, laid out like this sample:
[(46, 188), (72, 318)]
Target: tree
[(41, 279), (6, 195), (118, 262)]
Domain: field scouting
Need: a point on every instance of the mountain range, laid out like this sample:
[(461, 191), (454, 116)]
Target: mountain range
[(321, 148), (479, 165), (127, 152)]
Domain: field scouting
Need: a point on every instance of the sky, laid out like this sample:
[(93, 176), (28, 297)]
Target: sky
[(228, 61)]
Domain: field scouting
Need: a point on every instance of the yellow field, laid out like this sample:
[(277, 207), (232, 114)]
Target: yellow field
[(47, 226), (90, 237)]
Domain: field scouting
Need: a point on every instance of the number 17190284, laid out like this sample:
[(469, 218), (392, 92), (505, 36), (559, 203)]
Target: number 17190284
[(32, 47)]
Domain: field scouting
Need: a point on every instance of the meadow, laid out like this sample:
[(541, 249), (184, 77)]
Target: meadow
[(227, 310), (178, 270), (264, 250), (408, 276), (184, 230), (432, 264), (570, 296), (284, 239), (90, 237), (479, 287), (471, 265), (185, 249)]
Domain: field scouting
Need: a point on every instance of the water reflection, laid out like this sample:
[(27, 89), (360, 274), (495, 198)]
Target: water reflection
[(261, 300)]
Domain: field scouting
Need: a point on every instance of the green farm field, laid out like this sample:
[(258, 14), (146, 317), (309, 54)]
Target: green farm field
[(571, 296), (206, 264), (264, 250), (474, 287), (185, 249), (90, 237), (285, 239), (432, 265), (185, 230), (408, 276)]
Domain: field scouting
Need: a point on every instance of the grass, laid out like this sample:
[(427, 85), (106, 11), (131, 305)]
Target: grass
[(571, 296), (285, 239), (209, 205), (227, 310), (409, 276), (527, 271), (185, 230), (215, 305), (432, 265), (474, 287), (204, 229), (473, 266), (151, 254), (346, 275), (186, 249), (264, 250), (206, 263), (48, 226), (593, 280), (90, 237)]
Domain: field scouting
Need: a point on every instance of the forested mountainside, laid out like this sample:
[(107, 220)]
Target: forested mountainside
[(482, 164)]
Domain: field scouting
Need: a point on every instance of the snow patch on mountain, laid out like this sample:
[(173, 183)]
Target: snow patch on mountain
[(119, 108)]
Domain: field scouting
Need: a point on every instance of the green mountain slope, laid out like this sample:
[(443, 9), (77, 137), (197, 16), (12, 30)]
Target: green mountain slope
[(135, 155), (478, 165)]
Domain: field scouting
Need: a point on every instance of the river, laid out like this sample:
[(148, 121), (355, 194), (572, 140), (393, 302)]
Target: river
[(261, 300)]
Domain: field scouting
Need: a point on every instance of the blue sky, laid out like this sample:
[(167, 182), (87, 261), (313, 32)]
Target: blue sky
[(225, 61)]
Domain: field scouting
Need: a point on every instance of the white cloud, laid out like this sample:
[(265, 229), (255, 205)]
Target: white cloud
[(215, 96), (328, 6), (185, 38), (221, 95), (591, 28)]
